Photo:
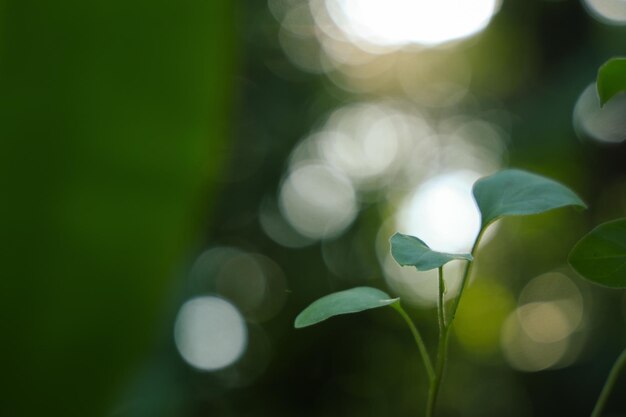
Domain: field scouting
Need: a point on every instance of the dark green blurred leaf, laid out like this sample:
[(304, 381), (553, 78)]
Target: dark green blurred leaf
[(112, 126), (600, 256), (514, 192), (611, 79), (343, 302), (411, 251)]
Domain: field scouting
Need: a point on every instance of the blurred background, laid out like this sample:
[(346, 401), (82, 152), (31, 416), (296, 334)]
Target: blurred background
[(190, 176)]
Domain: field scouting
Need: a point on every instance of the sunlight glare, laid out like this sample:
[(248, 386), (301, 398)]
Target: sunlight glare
[(442, 212), (402, 22)]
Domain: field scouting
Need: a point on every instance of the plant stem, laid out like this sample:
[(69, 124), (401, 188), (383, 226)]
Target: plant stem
[(441, 311), (466, 275), (608, 386), (442, 351), (444, 328), (418, 340)]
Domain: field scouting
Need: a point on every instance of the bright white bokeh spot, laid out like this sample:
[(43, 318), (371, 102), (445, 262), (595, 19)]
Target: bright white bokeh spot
[(442, 212), (361, 141), (369, 143), (607, 11), (402, 22), (604, 124), (210, 333), (318, 201)]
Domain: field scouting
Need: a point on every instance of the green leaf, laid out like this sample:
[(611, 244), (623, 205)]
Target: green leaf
[(411, 251), (343, 302), (600, 256), (515, 192), (611, 79)]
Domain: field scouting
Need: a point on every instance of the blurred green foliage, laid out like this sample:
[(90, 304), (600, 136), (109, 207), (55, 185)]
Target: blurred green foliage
[(611, 79), (113, 122), (600, 256)]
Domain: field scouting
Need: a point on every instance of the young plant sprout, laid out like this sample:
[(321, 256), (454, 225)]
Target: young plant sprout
[(507, 193)]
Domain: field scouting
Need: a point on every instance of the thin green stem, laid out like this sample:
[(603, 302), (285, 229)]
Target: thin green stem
[(418, 340), (466, 275), (608, 386), (441, 310), (442, 351), (444, 327)]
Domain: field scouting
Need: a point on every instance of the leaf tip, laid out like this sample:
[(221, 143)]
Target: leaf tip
[(394, 238), (300, 323)]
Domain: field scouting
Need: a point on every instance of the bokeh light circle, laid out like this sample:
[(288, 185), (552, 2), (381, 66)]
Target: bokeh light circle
[(401, 22), (605, 124), (525, 354), (442, 212), (210, 333), (607, 11), (318, 201), (540, 333)]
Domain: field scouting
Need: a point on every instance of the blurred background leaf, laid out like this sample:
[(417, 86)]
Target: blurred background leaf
[(113, 118), (611, 79), (600, 256)]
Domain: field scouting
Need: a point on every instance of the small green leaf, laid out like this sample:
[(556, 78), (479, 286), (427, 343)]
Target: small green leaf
[(611, 79), (600, 256), (515, 192), (411, 251), (343, 302)]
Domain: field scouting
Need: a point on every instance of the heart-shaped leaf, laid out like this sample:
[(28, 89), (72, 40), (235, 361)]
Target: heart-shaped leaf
[(600, 256), (611, 79), (411, 251), (343, 302), (515, 192)]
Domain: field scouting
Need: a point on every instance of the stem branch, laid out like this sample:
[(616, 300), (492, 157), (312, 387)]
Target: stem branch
[(608, 386), (441, 310), (444, 328), (466, 275), (418, 340), (442, 351)]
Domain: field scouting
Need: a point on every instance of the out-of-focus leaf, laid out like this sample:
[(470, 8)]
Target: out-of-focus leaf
[(600, 256), (112, 125), (343, 302), (515, 192), (411, 251), (611, 79)]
